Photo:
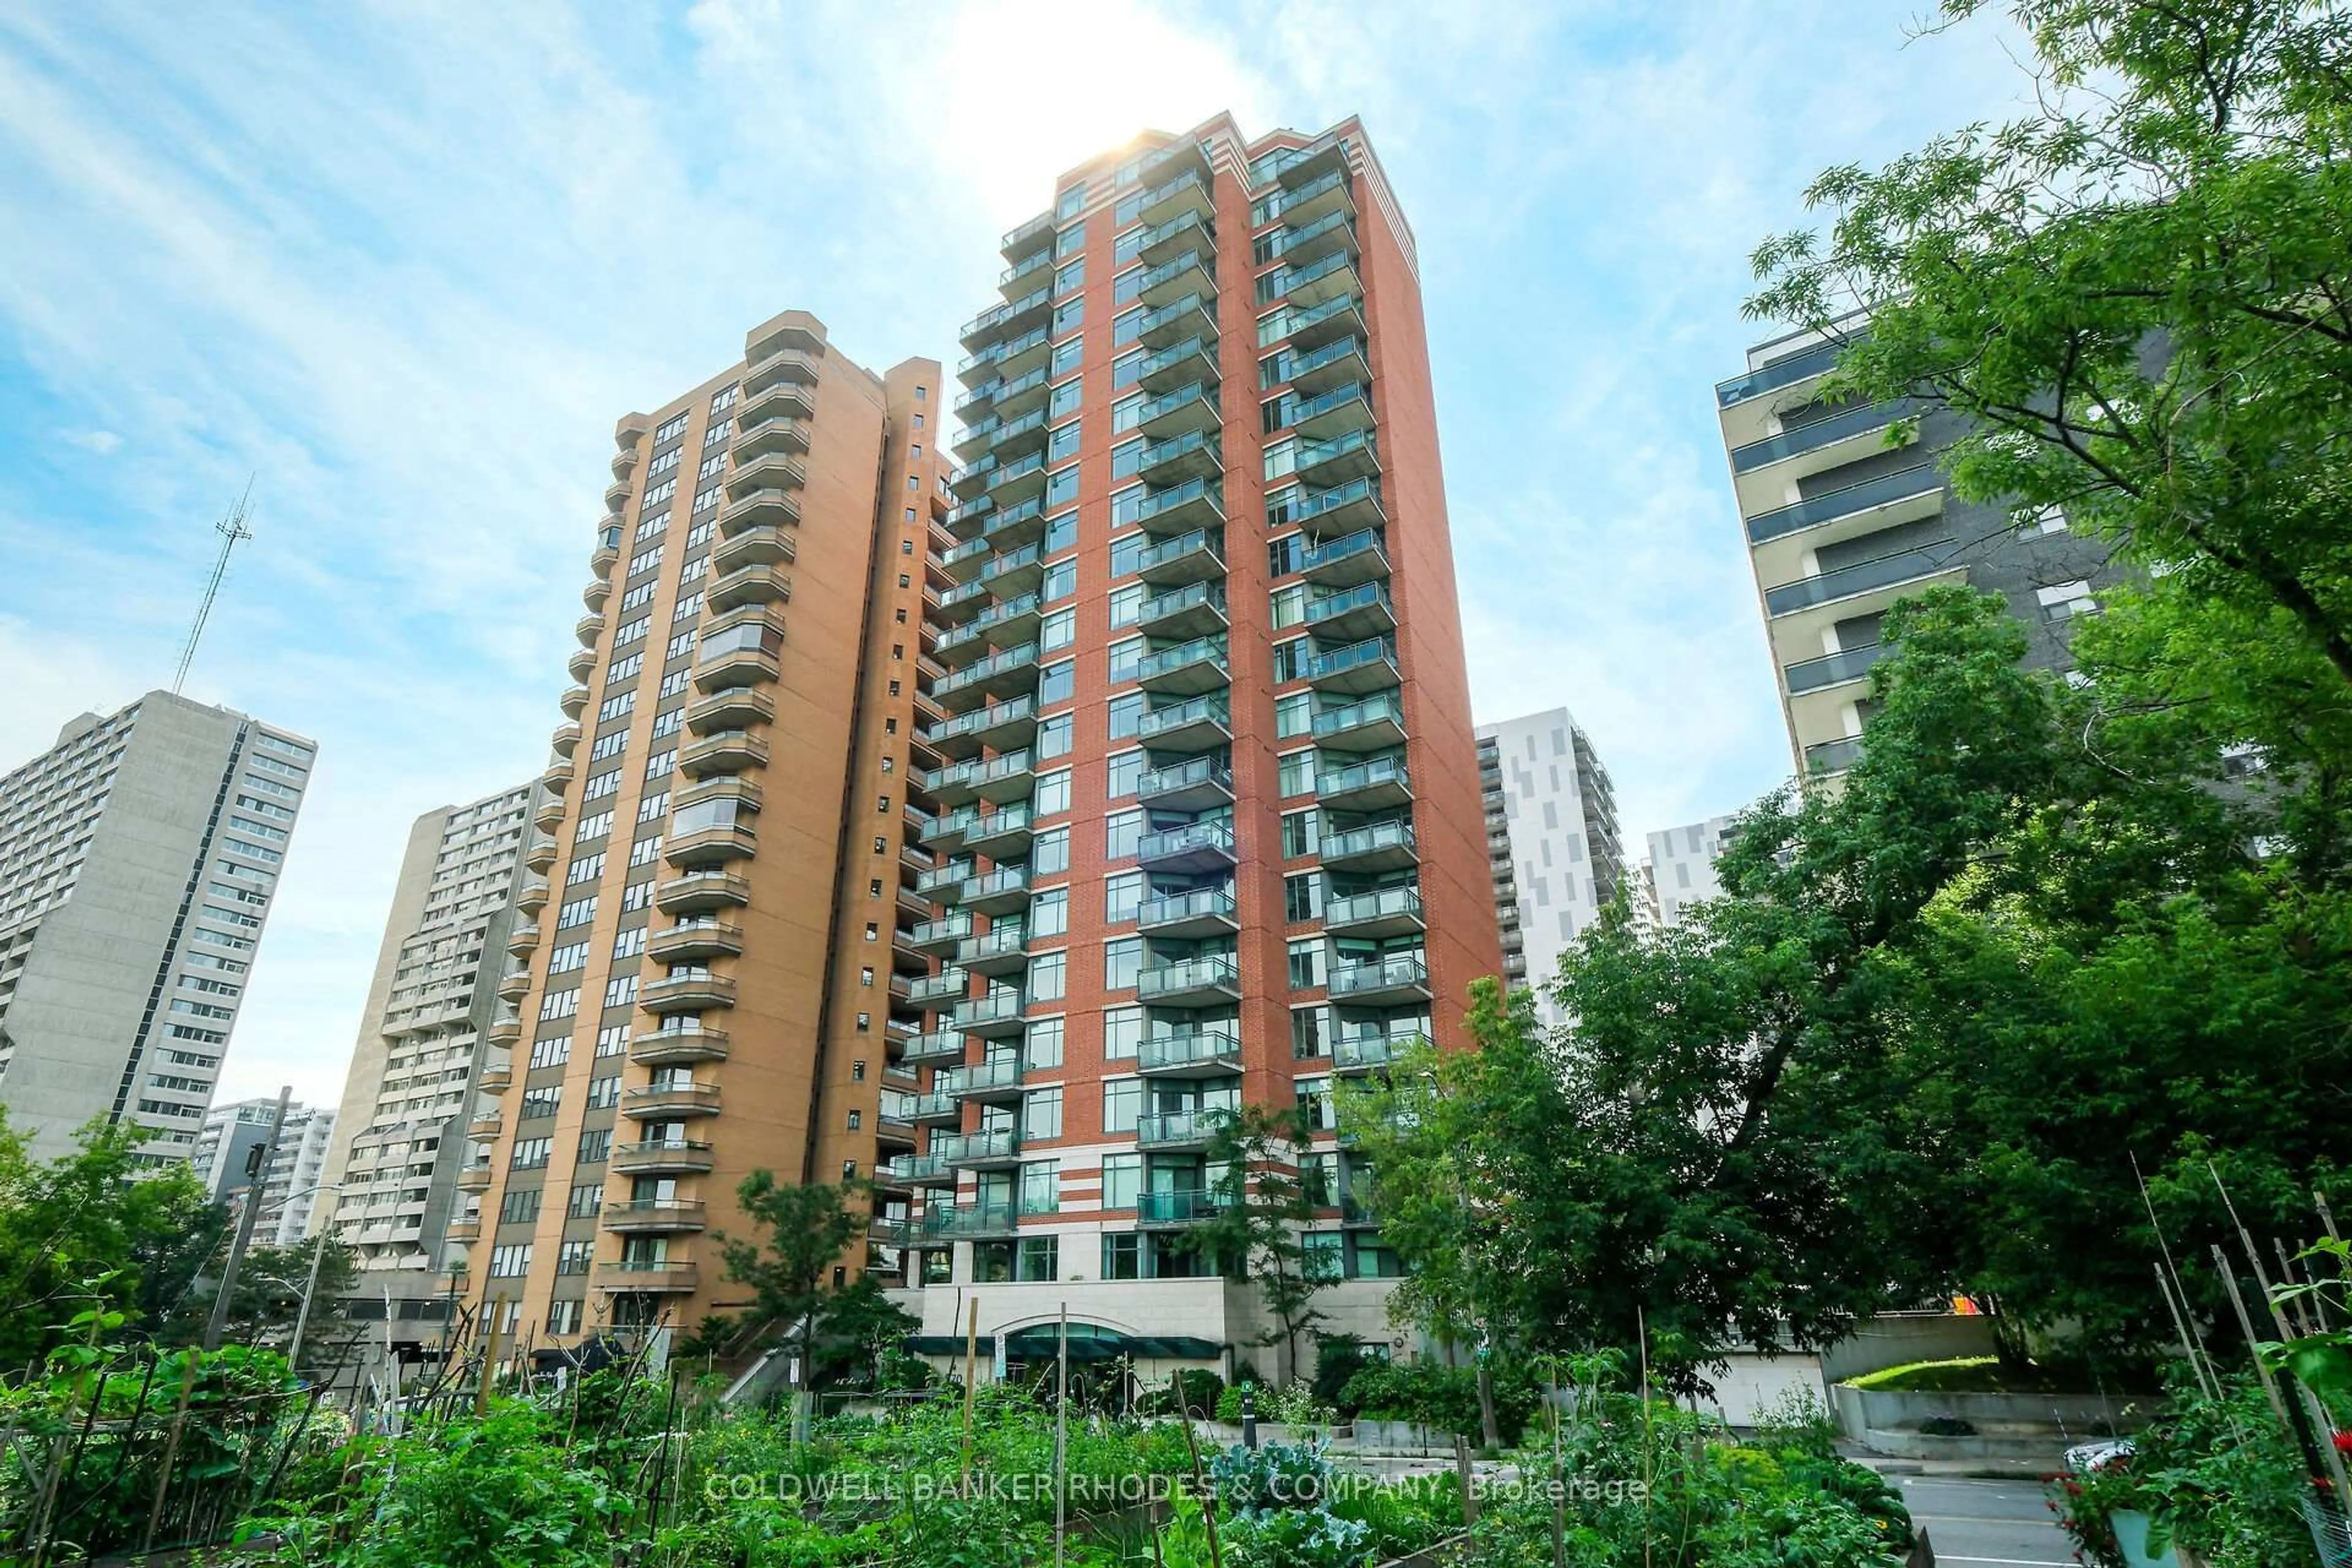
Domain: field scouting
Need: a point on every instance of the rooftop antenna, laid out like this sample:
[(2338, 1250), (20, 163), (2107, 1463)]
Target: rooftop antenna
[(231, 529)]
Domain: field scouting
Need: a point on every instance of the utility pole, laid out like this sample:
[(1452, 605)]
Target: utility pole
[(232, 530), (244, 1223)]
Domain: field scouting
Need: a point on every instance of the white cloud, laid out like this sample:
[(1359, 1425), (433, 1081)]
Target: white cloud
[(102, 442)]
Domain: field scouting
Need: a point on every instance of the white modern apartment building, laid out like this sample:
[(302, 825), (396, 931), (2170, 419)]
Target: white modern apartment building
[(139, 857), (1682, 867), (290, 1173), (1551, 832), (420, 1059)]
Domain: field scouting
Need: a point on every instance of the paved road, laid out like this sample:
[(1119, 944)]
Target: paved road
[(1985, 1524)]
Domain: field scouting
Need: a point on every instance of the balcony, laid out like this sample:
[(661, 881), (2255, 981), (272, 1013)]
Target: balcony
[(731, 709), (670, 1101), (1006, 622), (760, 545), (486, 1125), (938, 1046), (1882, 500), (938, 992), (474, 1177), (1185, 411), (762, 451), (1191, 850), (1006, 360), (1195, 610), (1189, 360), (542, 853), (649, 1277), (1344, 410), (990, 1082), (736, 667), (1186, 669), (691, 939), (1832, 669), (935, 1109), (1195, 504), (1347, 561), (947, 1221), (532, 896), (919, 1171), (1328, 514), (581, 664), (1781, 373), (1833, 757), (1000, 835), (466, 1229), (514, 985), (777, 398), (1362, 611), (687, 992), (993, 1015), (1201, 724), (1391, 911), (503, 1032), (978, 1151), (663, 1157), (1318, 282), (1013, 317), (1360, 667), (523, 942), (1374, 724), (752, 586), (711, 846), (701, 892), (1015, 280), (1155, 1211), (1310, 240), (1001, 728), (1212, 1052), (1862, 577), (1402, 977), (1363, 1053), (1195, 557), (1172, 1130), (1187, 193), (1167, 325), (1191, 274), (1202, 783), (1840, 437), (1009, 672), (652, 1216), (1011, 572), (1382, 846), (723, 752), (1002, 950), (772, 506), (1196, 454), (678, 1047), (1325, 465), (1199, 912), (1189, 983), (558, 775)]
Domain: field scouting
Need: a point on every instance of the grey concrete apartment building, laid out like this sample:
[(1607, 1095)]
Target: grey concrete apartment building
[(1840, 526), (1552, 836), (139, 857), (420, 1061), (291, 1172)]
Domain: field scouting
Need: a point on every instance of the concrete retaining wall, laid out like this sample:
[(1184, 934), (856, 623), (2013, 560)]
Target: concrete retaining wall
[(2073, 1416), (1898, 1339)]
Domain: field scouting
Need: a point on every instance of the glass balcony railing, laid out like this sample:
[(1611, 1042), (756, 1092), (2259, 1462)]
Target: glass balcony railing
[(1161, 723), (1217, 1046), (1833, 756), (969, 1147), (1803, 438), (1332, 783), (1214, 836), (1785, 372), (1832, 669), (1182, 549), (999, 1008), (1216, 972), (981, 719), (1364, 543), (1380, 838), (1885, 489), (979, 1077), (1326, 607), (1204, 652), (1385, 709), (1192, 493), (1181, 1208), (1400, 971), (1401, 905), (1373, 653), (1208, 774), (1202, 596), (1880, 572), (1181, 1126), (1198, 904)]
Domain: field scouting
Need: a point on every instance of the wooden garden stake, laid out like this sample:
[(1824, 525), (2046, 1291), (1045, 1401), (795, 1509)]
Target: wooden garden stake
[(171, 1451)]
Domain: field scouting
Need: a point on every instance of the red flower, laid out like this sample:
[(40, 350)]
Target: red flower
[(2343, 1442)]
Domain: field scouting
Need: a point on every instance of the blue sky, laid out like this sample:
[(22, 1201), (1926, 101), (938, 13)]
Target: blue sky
[(407, 261)]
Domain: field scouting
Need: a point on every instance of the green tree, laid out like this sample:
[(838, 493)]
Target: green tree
[(1914, 1049), (2140, 298), (94, 1228), (805, 1230), (1264, 1201)]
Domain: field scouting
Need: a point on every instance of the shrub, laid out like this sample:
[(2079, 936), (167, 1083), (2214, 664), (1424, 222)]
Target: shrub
[(1195, 1389), (1338, 1358), (1946, 1427)]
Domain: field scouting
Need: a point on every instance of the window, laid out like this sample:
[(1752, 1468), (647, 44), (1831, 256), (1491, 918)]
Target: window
[(1067, 355), (1299, 834), (571, 1256), (1121, 961), (1294, 714), (1046, 974), (1040, 1258), (595, 826), (1049, 856), (1123, 834), (612, 1039), (1041, 1114), (1127, 604), (1122, 1179), (1307, 963), (1290, 660), (1126, 715), (1285, 555), (1049, 913), (595, 1145), (585, 1200), (1061, 582), (570, 956), (1058, 630), (1296, 773), (1054, 735), (1126, 660), (630, 942), (562, 1318), (1124, 775), (520, 1208), (539, 1102), (620, 991), (1051, 796), (1063, 400), (1122, 897), (1122, 1032), (603, 1093), (529, 1154), (1056, 683), (1307, 1035), (1041, 1047), (557, 1004), (1122, 1103), (510, 1262), (1302, 896)]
